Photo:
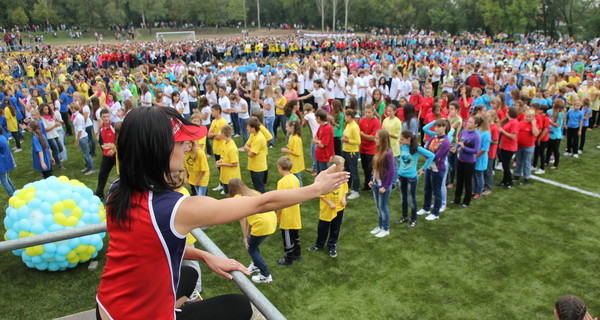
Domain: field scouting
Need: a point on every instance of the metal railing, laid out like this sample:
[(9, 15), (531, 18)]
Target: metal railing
[(246, 286)]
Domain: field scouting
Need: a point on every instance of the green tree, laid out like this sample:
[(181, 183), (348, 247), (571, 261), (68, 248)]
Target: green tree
[(510, 16), (18, 16), (113, 12), (44, 12), (148, 9)]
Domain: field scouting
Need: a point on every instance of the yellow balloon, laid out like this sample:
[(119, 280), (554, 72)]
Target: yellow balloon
[(76, 212), (74, 260), (85, 257), (39, 249), (24, 234), (90, 250), (60, 218), (74, 182), (71, 222), (69, 204), (30, 251), (29, 196), (12, 201), (80, 248), (71, 255), (63, 179), (21, 194), (19, 203), (58, 207)]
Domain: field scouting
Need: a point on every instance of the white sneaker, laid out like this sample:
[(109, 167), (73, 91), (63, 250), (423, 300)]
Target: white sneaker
[(252, 268), (580, 151), (259, 278), (15, 148), (383, 233), (241, 150), (422, 212), (218, 188), (442, 209), (353, 195), (376, 230), (18, 150), (92, 171), (539, 171), (222, 191), (576, 156), (498, 166), (431, 217), (566, 154), (84, 170), (237, 135)]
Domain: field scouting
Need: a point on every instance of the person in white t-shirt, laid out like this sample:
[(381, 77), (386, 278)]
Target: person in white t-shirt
[(87, 117), (395, 87), (311, 120), (225, 104), (168, 91), (184, 97)]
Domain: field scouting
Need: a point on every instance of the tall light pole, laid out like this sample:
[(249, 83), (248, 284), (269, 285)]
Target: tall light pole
[(258, 11), (346, 14), (244, 8)]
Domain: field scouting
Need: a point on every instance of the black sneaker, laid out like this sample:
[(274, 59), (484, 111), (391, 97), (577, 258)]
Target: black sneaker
[(285, 262), (508, 186), (314, 248), (412, 224), (333, 253), (401, 221), (524, 182), (516, 178)]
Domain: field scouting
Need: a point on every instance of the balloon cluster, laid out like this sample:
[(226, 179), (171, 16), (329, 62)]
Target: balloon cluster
[(50, 205)]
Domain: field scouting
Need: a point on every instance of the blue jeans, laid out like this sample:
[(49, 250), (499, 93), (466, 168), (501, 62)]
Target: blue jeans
[(478, 181), (56, 148), (235, 120), (313, 148), (62, 137), (7, 183), (299, 176), (83, 145), (91, 142), (444, 188), (489, 174), (433, 187), (408, 192), (452, 162), (244, 130), (200, 191), (254, 252), (321, 166), (351, 165), (524, 155), (258, 180), (383, 210), (269, 125)]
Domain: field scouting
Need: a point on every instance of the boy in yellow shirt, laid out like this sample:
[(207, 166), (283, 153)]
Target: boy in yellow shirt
[(350, 151), (215, 133), (294, 148), (331, 213), (290, 221), (196, 166), (229, 162), (256, 147)]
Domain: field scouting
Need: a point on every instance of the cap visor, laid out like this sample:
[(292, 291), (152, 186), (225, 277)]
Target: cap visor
[(190, 133)]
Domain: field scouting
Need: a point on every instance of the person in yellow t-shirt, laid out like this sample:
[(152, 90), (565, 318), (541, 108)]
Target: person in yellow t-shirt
[(256, 228), (295, 149), (350, 148), (331, 213), (214, 132), (280, 119), (229, 162), (256, 147), (258, 115), (30, 71), (197, 120), (178, 178), (290, 221), (196, 166)]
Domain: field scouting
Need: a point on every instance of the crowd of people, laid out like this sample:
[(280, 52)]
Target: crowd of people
[(467, 105)]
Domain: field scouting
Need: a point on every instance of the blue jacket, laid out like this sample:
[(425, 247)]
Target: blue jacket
[(6, 160)]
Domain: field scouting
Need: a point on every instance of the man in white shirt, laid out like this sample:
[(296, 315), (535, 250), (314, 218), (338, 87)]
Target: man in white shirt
[(395, 88), (225, 105), (168, 91)]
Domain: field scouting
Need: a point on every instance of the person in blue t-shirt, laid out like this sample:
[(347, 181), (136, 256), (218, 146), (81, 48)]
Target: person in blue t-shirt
[(587, 113), (557, 121), (408, 173), (63, 98), (481, 163), (574, 127)]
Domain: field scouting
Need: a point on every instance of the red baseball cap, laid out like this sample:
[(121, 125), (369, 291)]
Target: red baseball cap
[(183, 132)]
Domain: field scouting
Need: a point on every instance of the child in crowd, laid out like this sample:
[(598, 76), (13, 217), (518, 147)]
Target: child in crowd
[(528, 132), (587, 113), (557, 120), (7, 164), (215, 133), (295, 149), (256, 228), (331, 213), (434, 175), (11, 123), (229, 162), (481, 163), (384, 172), (467, 146), (408, 161), (574, 127), (311, 120), (350, 148), (81, 138), (256, 147), (323, 141), (40, 151), (197, 169), (492, 119), (290, 220), (541, 144), (509, 128)]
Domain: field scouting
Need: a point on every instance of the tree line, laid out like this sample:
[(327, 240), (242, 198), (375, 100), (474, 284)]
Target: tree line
[(577, 18)]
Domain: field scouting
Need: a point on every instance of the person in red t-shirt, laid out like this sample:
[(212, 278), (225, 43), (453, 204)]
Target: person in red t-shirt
[(492, 118), (543, 123), (465, 101), (368, 128), (509, 128), (109, 151), (323, 140), (528, 132)]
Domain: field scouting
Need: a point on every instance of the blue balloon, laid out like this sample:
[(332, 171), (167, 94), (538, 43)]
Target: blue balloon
[(25, 257), (48, 221), (8, 222), (53, 266), (37, 259), (64, 194), (23, 212), (56, 227), (11, 235), (34, 203), (47, 256), (49, 247), (42, 266), (38, 228), (74, 243)]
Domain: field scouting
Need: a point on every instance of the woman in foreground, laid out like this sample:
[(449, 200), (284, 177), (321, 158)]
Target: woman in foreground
[(147, 222)]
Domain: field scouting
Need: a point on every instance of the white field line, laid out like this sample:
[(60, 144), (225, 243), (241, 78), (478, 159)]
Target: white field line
[(565, 186)]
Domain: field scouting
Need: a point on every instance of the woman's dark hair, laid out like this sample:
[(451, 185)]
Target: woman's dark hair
[(37, 131), (297, 127), (409, 113), (414, 143), (443, 123), (513, 113), (144, 131), (95, 105), (570, 308)]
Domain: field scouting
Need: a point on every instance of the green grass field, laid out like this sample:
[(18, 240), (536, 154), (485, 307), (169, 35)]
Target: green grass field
[(509, 256)]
